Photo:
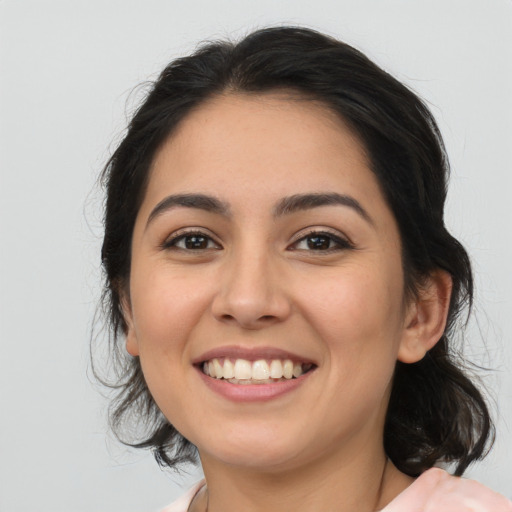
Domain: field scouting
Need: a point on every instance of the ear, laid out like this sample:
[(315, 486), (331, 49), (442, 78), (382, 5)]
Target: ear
[(426, 316), (132, 346)]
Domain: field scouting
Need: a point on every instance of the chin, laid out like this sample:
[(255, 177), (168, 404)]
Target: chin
[(269, 451)]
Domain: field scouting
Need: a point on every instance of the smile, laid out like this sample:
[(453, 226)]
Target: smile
[(253, 374), (261, 371)]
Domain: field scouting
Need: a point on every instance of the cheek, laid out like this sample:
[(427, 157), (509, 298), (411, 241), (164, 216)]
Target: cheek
[(358, 315), (358, 299), (166, 307), (166, 310)]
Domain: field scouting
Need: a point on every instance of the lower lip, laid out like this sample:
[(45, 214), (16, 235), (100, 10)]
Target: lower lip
[(252, 392)]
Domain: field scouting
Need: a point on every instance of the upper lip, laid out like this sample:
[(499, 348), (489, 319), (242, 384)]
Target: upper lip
[(250, 354)]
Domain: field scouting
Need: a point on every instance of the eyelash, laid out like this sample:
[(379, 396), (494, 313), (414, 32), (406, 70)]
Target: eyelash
[(172, 243), (340, 243)]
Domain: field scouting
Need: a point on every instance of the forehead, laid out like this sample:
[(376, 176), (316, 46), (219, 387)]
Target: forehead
[(242, 138), (251, 152), (242, 120), (252, 110)]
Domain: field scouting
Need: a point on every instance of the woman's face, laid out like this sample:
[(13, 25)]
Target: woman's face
[(264, 238)]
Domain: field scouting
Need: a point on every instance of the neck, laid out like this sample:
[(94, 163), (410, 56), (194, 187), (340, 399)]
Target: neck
[(334, 483)]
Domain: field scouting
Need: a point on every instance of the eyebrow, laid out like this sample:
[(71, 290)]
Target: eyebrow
[(198, 201), (299, 202), (286, 206)]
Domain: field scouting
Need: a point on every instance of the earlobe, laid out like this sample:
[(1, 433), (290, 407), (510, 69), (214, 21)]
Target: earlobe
[(426, 317), (132, 346)]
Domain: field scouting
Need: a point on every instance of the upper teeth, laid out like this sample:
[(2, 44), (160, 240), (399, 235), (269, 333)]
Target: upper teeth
[(242, 369)]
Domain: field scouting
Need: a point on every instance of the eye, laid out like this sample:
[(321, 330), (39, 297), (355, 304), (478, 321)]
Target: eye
[(321, 241), (191, 241)]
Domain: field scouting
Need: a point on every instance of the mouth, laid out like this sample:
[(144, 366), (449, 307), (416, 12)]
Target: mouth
[(254, 372)]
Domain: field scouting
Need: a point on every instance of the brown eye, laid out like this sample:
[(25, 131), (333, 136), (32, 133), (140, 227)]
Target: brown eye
[(191, 242), (195, 242), (319, 242)]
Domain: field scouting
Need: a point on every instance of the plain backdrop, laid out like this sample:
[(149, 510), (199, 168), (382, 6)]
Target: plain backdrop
[(66, 70)]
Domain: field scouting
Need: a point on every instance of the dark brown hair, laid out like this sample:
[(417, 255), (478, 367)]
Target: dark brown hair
[(435, 412)]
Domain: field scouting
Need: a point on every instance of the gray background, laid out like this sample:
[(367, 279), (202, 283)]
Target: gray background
[(66, 69)]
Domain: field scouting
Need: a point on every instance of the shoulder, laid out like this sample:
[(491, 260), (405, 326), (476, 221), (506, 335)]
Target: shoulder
[(183, 502), (438, 491)]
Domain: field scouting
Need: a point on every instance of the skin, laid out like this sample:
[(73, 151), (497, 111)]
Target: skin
[(257, 283)]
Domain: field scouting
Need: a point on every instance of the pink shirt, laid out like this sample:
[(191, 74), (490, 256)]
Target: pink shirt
[(183, 502), (434, 491)]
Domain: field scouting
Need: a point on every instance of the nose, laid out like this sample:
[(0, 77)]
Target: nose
[(252, 292)]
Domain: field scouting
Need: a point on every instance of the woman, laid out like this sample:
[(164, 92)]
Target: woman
[(278, 267)]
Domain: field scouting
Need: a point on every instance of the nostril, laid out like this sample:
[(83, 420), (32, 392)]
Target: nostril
[(248, 321)]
